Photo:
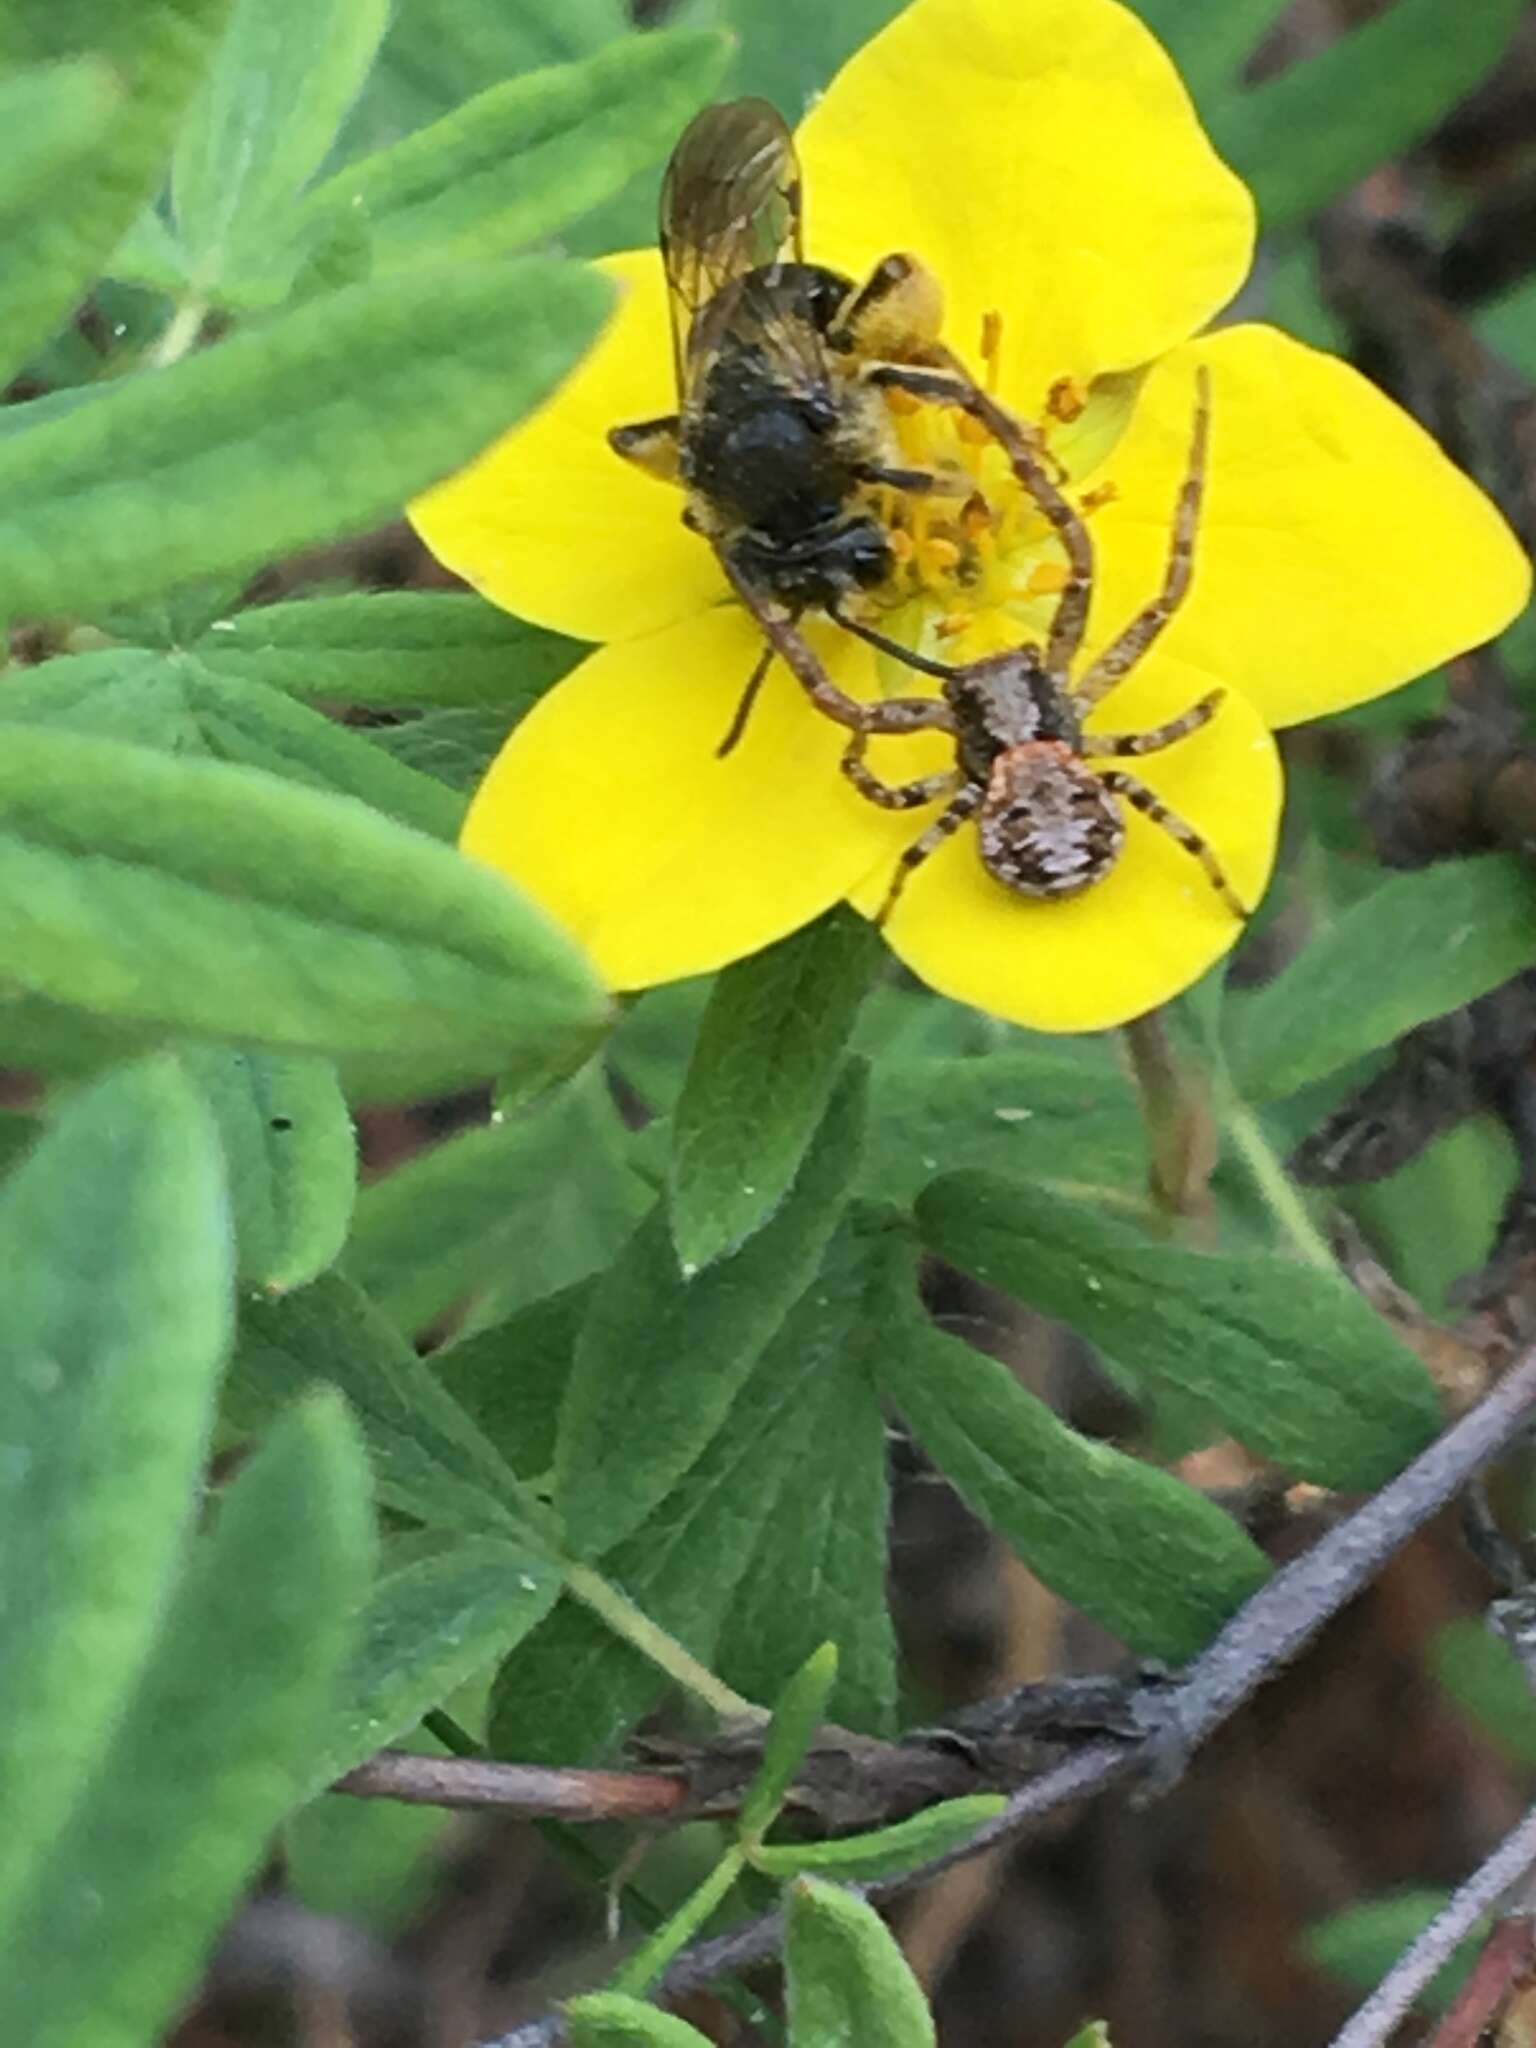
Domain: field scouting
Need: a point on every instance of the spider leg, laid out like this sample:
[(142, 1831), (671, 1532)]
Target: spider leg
[(743, 711), (952, 387), (1125, 651), (944, 826), (893, 796), (1099, 745), (1138, 795)]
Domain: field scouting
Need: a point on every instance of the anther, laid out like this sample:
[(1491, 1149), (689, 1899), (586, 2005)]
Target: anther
[(1101, 494), (1066, 400)]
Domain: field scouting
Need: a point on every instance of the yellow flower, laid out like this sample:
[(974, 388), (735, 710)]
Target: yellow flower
[(1041, 157)]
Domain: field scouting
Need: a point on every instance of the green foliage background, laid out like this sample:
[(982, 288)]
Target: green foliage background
[(326, 254)]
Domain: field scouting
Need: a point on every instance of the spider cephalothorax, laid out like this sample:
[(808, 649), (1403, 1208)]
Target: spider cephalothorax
[(1049, 822)]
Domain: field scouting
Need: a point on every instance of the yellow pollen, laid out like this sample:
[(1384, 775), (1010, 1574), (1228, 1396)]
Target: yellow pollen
[(936, 556), (952, 625), (903, 402), (903, 547)]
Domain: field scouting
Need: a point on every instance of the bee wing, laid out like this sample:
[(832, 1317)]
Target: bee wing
[(730, 205)]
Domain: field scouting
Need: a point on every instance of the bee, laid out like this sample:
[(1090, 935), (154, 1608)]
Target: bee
[(778, 430), (1049, 821)]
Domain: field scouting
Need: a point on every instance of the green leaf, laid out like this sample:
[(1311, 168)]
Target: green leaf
[(798, 1713), (291, 1156), (608, 2019), (1362, 100), (391, 650), (311, 427), (173, 702), (531, 1202), (286, 73), (1147, 1557), (1360, 1944), (790, 51), (429, 1460), (196, 898), (819, 1565), (441, 1609), (438, 52), (53, 116), (1419, 945), (510, 1376), (524, 158), (846, 1979), (116, 1927), (1065, 1118), (1292, 1360), (1486, 1679), (763, 1066), (18, 1134), (155, 52), (884, 1852), (1209, 43), (456, 747), (573, 1689), (115, 1256), (661, 1357)]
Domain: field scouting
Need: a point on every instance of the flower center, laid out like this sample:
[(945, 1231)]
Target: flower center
[(978, 566)]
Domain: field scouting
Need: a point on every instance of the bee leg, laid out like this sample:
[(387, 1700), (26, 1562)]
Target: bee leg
[(896, 314), (743, 712), (944, 826), (1142, 799), (951, 386), (893, 796), (1100, 745), (652, 445), (780, 631), (921, 662), (1123, 653)]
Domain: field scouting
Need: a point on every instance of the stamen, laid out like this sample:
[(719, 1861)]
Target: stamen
[(975, 516), (1105, 493), (1047, 579), (1067, 400), (991, 348)]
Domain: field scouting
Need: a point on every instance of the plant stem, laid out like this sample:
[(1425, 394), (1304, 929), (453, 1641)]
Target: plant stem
[(1269, 1176), (456, 1739), (654, 1954), (664, 1651)]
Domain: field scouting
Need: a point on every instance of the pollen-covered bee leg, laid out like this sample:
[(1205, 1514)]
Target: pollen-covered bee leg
[(652, 445), (893, 796), (951, 386), (1123, 653), (743, 711), (1102, 745), (894, 316), (1142, 799), (965, 805)]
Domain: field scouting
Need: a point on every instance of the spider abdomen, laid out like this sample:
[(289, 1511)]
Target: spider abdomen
[(1047, 826)]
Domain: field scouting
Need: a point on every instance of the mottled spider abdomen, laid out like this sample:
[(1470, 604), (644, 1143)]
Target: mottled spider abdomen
[(1048, 826)]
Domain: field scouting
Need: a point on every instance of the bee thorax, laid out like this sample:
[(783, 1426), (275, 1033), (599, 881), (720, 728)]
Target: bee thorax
[(1048, 826)]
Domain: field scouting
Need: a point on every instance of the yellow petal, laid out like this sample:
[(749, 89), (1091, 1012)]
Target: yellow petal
[(1130, 942), (551, 524), (1043, 157), (1339, 552), (608, 804)]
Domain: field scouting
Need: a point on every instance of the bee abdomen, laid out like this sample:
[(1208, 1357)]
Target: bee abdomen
[(1048, 826)]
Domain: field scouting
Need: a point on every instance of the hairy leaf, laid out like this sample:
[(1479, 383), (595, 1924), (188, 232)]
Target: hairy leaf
[(145, 1873), (291, 1157), (661, 1357), (204, 899), (308, 428), (846, 1979), (763, 1066), (114, 1246), (1292, 1360)]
